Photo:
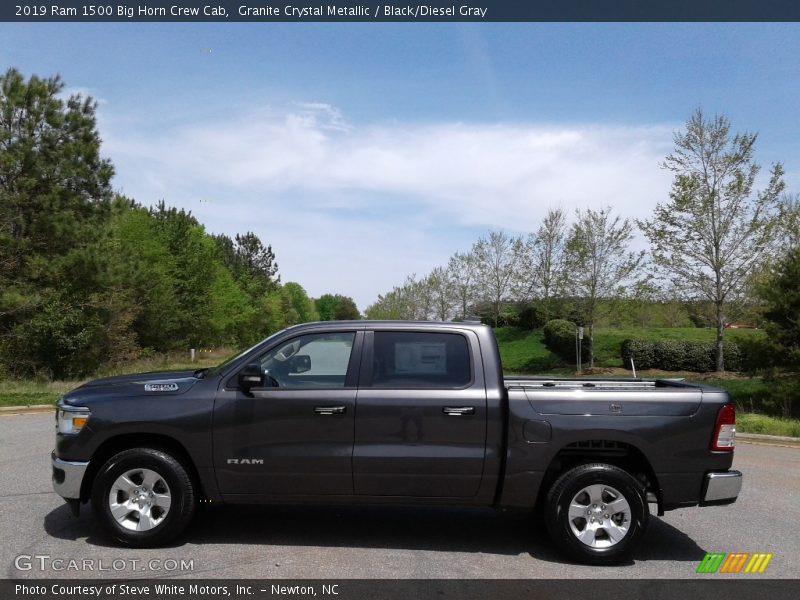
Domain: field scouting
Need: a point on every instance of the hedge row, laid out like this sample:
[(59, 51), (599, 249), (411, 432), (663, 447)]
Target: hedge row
[(674, 355), (559, 337)]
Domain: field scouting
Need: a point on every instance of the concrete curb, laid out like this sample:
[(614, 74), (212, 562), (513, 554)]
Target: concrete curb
[(768, 440), (7, 411)]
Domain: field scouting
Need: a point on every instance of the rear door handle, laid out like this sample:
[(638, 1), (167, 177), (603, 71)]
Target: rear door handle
[(330, 410), (458, 411)]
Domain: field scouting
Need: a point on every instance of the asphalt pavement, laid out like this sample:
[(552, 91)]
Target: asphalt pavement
[(41, 539)]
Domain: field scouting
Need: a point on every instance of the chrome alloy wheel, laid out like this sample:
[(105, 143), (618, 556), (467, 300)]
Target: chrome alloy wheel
[(139, 499), (599, 516)]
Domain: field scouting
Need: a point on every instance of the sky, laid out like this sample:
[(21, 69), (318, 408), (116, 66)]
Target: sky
[(366, 152)]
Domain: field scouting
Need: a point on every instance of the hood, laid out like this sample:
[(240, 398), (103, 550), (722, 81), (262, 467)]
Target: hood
[(172, 383)]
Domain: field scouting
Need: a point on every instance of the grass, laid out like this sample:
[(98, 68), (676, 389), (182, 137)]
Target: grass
[(523, 351), (754, 423), (29, 393)]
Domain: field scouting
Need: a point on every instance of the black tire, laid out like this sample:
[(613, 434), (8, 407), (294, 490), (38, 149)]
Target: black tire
[(173, 481), (609, 539)]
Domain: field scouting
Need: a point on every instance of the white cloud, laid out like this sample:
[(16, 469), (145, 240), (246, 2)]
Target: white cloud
[(296, 169)]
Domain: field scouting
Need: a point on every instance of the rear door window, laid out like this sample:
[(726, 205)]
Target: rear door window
[(410, 359)]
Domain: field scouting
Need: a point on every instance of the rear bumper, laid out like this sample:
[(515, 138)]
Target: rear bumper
[(68, 477), (721, 488)]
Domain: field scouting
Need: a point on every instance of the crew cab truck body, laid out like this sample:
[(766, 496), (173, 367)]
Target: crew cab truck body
[(393, 413)]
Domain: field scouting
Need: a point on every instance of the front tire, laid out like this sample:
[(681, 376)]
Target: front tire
[(143, 497), (597, 513)]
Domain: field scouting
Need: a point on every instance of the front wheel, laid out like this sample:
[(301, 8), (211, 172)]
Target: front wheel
[(143, 497), (597, 513)]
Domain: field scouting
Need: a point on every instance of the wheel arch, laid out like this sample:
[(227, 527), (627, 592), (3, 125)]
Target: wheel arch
[(126, 441), (620, 454)]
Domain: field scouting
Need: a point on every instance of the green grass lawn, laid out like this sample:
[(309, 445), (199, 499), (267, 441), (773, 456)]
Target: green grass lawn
[(523, 351), (752, 423), (28, 393)]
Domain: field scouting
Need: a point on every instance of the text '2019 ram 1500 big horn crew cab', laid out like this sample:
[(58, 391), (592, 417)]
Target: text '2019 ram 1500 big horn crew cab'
[(393, 412)]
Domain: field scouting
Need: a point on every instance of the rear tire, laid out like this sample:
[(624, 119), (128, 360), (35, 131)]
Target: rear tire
[(143, 497), (596, 513)]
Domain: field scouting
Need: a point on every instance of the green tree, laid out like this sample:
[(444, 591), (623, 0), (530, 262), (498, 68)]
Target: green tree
[(302, 306), (346, 310), (443, 290), (599, 262), (781, 294), (54, 199), (326, 306), (498, 258), (544, 263), (714, 230), (463, 269)]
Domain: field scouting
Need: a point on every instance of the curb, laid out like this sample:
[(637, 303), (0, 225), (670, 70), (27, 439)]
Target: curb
[(768, 440), (7, 411)]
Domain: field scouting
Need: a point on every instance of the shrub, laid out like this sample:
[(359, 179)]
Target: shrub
[(559, 337), (642, 351), (675, 355)]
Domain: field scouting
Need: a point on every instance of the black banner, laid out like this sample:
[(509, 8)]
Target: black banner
[(710, 587), (383, 10)]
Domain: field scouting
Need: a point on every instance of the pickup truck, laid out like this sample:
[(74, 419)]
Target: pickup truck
[(393, 412)]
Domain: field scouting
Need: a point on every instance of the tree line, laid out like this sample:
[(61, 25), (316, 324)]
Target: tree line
[(89, 278), (716, 243)]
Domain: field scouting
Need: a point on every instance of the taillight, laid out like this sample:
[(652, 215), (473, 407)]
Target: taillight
[(725, 430)]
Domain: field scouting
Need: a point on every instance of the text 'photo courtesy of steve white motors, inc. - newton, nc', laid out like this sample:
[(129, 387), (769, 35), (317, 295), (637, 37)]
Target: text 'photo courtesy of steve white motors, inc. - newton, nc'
[(245, 11)]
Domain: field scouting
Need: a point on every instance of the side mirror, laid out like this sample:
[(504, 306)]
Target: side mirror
[(251, 376), (299, 363)]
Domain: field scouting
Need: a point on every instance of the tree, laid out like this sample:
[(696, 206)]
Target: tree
[(302, 305), (599, 261), (326, 306), (346, 310), (782, 296), (257, 261), (497, 258), (55, 194), (443, 292), (463, 269), (336, 307), (714, 230), (789, 220), (546, 258)]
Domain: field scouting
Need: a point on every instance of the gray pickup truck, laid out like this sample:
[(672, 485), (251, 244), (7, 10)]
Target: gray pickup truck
[(393, 412)]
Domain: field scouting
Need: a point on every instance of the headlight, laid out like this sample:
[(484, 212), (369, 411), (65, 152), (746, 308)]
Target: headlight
[(71, 419)]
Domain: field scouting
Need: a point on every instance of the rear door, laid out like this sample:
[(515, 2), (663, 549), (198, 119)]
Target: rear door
[(294, 435), (420, 425)]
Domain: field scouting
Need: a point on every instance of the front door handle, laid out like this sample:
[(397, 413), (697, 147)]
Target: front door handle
[(330, 410), (458, 411)]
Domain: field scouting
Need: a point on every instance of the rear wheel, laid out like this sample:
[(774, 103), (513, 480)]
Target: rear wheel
[(596, 513), (143, 497)]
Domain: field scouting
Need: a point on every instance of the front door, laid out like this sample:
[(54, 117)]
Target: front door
[(294, 434)]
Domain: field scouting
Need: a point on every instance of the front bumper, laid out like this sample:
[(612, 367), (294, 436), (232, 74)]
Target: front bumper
[(68, 477), (721, 488)]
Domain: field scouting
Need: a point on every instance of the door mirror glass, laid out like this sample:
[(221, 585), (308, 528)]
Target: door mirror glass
[(251, 376), (300, 363)]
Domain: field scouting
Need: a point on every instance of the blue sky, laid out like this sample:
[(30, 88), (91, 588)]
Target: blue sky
[(365, 152)]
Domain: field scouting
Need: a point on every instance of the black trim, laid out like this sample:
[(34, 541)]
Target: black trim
[(366, 379)]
